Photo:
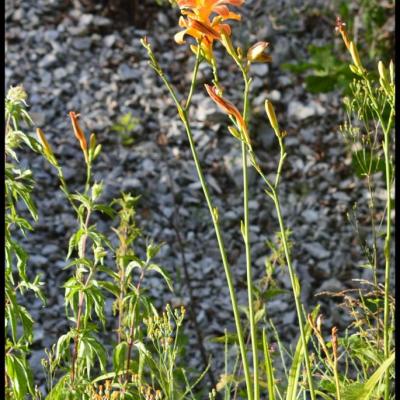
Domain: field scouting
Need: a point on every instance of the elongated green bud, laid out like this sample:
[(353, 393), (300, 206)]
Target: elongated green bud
[(355, 56), (269, 108), (391, 72), (382, 71), (383, 77), (43, 141), (92, 141), (227, 42)]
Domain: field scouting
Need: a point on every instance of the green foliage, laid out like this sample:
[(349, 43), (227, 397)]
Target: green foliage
[(19, 184), (325, 72), (125, 126), (147, 344)]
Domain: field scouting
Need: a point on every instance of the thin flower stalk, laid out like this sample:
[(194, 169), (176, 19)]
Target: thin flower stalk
[(273, 193), (246, 238), (183, 113)]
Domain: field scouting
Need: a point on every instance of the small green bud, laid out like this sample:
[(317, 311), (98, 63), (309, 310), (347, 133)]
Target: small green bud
[(97, 151), (355, 56), (92, 141), (97, 189)]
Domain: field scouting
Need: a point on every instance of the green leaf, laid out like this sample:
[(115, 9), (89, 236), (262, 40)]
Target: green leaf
[(321, 84), (152, 250), (63, 345), (132, 265), (157, 268), (104, 209), (323, 395), (294, 372), (363, 391), (269, 371), (297, 68), (27, 323), (364, 162), (230, 338), (273, 292), (119, 356), (110, 287), (17, 370)]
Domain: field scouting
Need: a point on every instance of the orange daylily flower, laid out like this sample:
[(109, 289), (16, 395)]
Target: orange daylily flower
[(228, 108), (198, 22), (204, 8), (79, 133)]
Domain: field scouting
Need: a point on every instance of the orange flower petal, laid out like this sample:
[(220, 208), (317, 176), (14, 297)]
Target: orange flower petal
[(225, 105), (79, 133), (203, 28)]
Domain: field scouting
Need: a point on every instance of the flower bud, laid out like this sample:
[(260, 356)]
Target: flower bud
[(79, 134), (391, 72), (43, 141), (92, 141), (256, 53), (355, 56), (47, 150), (269, 108), (96, 151), (319, 323), (97, 189), (227, 42)]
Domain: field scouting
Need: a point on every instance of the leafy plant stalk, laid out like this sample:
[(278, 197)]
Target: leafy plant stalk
[(82, 253)]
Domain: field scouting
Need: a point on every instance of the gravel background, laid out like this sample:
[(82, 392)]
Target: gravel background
[(71, 57)]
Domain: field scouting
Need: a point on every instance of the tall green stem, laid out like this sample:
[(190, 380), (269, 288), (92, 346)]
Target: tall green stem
[(272, 192), (227, 268), (246, 238), (386, 337), (296, 291)]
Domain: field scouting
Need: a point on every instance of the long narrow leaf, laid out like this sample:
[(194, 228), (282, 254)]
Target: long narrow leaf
[(268, 367), (294, 372)]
